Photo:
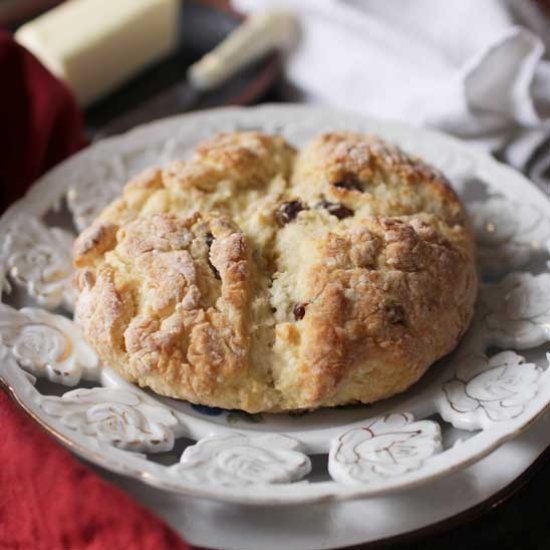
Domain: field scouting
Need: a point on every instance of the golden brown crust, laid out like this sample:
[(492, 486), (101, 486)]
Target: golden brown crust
[(381, 296), (251, 277)]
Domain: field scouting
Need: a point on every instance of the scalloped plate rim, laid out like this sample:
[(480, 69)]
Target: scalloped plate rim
[(250, 495), (245, 495)]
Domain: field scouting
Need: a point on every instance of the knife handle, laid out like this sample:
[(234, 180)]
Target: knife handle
[(259, 34)]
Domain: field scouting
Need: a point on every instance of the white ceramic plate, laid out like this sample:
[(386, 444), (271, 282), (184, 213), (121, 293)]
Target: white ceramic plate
[(493, 386)]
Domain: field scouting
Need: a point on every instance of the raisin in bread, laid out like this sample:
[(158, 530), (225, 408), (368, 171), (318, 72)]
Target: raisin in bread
[(256, 277)]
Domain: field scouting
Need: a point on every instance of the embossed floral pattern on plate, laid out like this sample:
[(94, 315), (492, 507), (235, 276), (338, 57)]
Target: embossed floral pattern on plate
[(240, 459), (488, 390), (47, 345), (384, 447), (39, 259), (116, 416), (482, 395)]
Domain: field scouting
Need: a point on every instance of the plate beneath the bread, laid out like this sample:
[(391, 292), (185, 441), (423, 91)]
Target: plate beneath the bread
[(492, 387)]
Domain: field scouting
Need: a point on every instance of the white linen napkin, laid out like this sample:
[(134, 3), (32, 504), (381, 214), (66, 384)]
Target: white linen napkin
[(472, 68)]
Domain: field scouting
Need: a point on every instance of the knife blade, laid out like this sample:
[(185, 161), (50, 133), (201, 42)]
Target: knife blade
[(259, 34)]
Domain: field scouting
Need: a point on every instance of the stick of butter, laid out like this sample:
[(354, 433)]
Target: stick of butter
[(95, 45)]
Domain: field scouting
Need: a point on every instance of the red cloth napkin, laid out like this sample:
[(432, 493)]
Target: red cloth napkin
[(48, 499), (39, 121)]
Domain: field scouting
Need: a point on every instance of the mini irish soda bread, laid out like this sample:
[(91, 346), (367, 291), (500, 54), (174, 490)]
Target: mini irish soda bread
[(259, 278)]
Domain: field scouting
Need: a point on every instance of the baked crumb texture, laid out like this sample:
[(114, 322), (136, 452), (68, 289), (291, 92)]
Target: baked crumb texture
[(259, 278)]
